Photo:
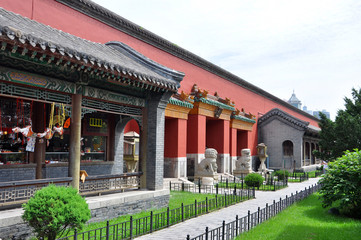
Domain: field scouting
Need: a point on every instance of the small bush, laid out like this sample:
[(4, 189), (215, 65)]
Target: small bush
[(282, 174), (53, 210), (253, 180)]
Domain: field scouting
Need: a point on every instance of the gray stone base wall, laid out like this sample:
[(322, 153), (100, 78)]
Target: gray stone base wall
[(9, 173), (102, 208), (114, 211), (57, 170), (175, 167)]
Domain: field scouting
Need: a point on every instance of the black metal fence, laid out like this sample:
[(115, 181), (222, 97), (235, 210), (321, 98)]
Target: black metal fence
[(156, 221), (230, 188), (228, 184), (239, 225)]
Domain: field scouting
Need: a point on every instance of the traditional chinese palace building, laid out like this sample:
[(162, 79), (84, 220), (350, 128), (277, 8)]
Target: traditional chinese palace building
[(76, 77)]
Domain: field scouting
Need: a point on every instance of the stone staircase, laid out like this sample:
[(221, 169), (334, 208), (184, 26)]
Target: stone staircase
[(166, 181)]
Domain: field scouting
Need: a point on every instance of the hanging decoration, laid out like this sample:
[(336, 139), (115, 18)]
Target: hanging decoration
[(55, 125)]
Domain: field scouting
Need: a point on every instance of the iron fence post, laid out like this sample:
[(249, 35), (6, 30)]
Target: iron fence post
[(182, 186), (226, 182), (131, 227), (225, 199), (188, 237), (274, 207), (248, 219), (151, 221), (199, 186), (217, 188), (167, 216), (195, 207), (107, 231), (235, 190), (258, 211), (207, 204), (182, 212), (281, 207), (216, 201), (75, 234), (206, 233), (170, 185), (266, 211), (223, 229), (236, 225)]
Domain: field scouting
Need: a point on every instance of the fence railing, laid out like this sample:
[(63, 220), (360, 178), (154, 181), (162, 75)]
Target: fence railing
[(239, 225), (155, 221), (17, 192), (210, 189)]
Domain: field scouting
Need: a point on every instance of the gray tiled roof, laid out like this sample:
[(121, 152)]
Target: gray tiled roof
[(114, 55)]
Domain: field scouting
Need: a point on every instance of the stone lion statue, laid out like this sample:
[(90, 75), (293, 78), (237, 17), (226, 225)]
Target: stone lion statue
[(245, 161), (209, 164)]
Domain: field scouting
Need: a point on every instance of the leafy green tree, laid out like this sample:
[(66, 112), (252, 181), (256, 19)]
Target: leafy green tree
[(53, 211), (342, 184), (343, 134)]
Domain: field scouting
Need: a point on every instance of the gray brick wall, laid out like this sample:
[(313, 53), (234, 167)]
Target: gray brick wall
[(17, 173), (155, 140)]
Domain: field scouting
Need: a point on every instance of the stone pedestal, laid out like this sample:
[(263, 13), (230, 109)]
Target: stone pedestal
[(244, 163), (207, 181)]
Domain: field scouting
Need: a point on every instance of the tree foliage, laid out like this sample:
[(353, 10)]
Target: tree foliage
[(342, 184), (54, 210), (344, 133)]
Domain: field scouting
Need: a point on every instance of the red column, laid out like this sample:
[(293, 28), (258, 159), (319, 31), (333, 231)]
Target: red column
[(175, 138), (196, 134)]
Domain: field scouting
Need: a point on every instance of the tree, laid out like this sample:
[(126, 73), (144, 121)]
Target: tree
[(343, 134), (54, 210), (341, 184)]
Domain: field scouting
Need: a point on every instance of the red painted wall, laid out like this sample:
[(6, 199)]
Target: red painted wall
[(175, 138), (217, 135), (68, 20)]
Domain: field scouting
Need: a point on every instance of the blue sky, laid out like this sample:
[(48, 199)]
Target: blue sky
[(311, 47)]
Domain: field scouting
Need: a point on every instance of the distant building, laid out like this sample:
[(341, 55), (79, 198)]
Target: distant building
[(317, 113), (294, 101), (307, 111)]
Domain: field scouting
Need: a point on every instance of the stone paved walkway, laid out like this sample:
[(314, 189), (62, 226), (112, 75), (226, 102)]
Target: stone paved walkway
[(197, 226)]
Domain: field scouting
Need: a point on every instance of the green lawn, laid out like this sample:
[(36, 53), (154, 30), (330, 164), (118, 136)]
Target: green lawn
[(306, 220)]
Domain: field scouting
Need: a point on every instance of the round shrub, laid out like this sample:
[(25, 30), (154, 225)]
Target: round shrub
[(53, 211), (282, 174), (341, 184), (253, 180)]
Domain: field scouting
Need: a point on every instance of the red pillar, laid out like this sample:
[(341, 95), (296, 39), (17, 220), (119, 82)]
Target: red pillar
[(175, 138), (196, 137), (175, 148)]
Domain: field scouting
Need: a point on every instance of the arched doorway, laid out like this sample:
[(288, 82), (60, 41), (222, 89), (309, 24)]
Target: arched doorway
[(126, 147), (287, 147)]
